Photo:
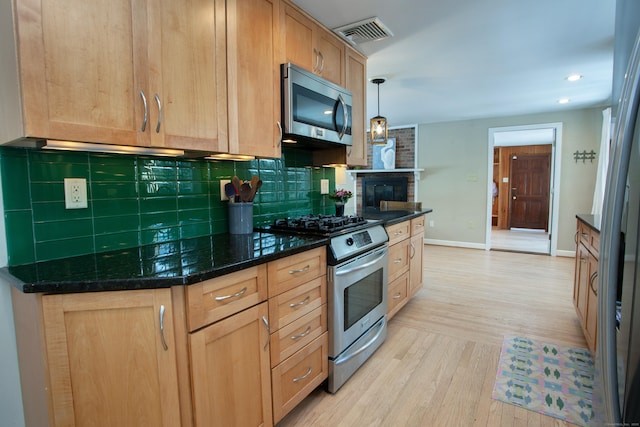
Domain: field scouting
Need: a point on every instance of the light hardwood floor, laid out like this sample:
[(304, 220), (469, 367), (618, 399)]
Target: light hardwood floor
[(438, 364)]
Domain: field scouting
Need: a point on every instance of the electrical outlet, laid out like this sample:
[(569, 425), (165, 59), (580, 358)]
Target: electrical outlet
[(324, 186), (75, 193), (432, 223), (223, 193)]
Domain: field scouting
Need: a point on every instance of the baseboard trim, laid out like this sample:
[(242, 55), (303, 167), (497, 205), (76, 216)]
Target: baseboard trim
[(570, 254), (468, 245)]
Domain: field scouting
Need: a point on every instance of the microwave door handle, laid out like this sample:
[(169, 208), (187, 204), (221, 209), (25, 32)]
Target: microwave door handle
[(346, 116)]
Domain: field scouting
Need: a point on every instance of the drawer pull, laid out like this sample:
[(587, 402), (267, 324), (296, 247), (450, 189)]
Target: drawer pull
[(397, 233), (164, 342), (585, 235), (266, 325), (302, 335), (295, 380), (302, 270), (397, 296), (237, 294), (303, 302), (397, 261)]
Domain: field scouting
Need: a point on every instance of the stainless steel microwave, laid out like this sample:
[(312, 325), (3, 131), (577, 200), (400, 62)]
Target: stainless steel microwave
[(314, 110)]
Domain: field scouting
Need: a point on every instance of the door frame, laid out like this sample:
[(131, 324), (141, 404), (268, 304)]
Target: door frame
[(554, 181)]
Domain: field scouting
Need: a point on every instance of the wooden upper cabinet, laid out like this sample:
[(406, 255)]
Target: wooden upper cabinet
[(356, 82), (147, 73), (254, 56), (310, 46), (107, 360), (82, 65), (188, 75)]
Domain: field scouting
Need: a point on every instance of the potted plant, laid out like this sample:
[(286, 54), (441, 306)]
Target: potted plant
[(341, 197)]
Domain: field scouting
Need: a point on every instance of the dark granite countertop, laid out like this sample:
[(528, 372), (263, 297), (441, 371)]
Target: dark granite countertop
[(592, 221), (394, 216), (161, 265)]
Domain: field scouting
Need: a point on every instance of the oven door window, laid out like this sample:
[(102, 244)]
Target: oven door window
[(361, 297)]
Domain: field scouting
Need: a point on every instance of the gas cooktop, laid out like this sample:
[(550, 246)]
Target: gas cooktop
[(323, 225)]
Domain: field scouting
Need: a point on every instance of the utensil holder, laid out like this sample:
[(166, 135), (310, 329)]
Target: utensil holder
[(241, 218)]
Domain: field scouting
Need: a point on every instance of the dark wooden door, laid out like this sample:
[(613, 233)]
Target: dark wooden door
[(530, 177)]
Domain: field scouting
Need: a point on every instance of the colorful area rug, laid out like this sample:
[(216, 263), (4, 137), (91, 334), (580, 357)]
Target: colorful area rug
[(552, 379)]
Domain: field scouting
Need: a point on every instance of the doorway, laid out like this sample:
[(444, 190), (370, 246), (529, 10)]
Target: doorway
[(522, 202)]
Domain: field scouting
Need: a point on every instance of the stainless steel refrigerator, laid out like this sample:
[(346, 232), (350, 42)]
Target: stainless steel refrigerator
[(616, 393)]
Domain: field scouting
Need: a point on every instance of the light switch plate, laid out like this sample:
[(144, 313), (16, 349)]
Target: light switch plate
[(505, 179), (324, 186), (75, 193)]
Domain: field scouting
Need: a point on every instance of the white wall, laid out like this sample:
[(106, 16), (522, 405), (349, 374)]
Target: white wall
[(454, 183), (11, 411)]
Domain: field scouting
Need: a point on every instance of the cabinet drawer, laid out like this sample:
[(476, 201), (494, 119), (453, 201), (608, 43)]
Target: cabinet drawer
[(292, 337), (417, 225), (399, 258), (398, 232), (217, 298), (397, 294), (293, 304), (289, 272), (296, 377), (594, 243)]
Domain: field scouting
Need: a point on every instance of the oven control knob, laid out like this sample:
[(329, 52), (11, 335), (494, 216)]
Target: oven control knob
[(349, 241)]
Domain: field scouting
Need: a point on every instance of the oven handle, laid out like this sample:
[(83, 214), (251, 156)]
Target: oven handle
[(342, 359), (360, 267)]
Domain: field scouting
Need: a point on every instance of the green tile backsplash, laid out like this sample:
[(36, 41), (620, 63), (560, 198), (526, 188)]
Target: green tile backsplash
[(137, 200)]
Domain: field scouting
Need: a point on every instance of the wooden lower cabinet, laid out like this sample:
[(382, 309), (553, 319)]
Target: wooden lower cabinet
[(585, 287), (103, 358), (406, 248), (230, 371)]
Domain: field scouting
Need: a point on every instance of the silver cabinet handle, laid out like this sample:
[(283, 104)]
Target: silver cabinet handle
[(583, 259), (397, 260), (397, 233), (146, 111), (159, 112), (321, 62), (591, 280), (303, 302), (302, 335), (281, 133), (164, 343), (237, 294), (266, 325), (397, 296), (302, 270), (413, 250), (295, 380)]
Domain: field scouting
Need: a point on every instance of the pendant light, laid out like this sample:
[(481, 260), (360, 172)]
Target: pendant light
[(378, 125)]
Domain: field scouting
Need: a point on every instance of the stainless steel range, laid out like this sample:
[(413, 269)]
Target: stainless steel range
[(357, 287)]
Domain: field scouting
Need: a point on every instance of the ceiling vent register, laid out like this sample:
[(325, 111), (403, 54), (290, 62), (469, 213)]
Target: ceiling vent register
[(367, 30)]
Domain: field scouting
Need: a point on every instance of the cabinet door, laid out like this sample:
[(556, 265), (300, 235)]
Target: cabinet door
[(331, 56), (298, 38), (416, 267), (106, 358), (356, 82), (230, 371), (581, 284), (254, 57), (83, 65), (188, 75), (590, 323)]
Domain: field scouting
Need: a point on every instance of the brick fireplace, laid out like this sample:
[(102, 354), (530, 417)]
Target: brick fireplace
[(405, 159)]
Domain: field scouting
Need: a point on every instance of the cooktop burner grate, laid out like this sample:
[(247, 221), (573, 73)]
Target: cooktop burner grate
[(325, 224)]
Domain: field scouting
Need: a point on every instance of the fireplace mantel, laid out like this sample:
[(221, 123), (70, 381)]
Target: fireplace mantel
[(358, 171)]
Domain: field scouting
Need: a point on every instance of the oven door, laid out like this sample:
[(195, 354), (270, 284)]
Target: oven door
[(357, 297)]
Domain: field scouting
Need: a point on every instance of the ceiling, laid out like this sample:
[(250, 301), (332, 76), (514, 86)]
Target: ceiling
[(468, 59)]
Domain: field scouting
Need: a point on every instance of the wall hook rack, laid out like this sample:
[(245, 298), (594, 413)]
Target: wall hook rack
[(584, 156)]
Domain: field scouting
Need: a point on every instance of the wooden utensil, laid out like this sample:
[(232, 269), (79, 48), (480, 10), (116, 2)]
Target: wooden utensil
[(245, 192), (254, 189)]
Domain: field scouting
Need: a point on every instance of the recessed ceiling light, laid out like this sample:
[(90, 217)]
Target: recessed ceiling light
[(563, 101), (574, 77)]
